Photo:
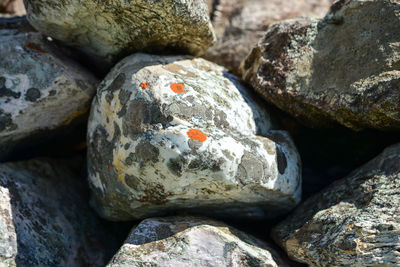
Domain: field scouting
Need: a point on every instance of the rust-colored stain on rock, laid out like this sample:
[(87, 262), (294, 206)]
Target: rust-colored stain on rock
[(144, 85), (197, 135), (178, 88), (35, 47)]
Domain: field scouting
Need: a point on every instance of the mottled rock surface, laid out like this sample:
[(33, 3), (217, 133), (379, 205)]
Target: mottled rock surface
[(45, 220), (343, 68), (12, 8), (41, 89), (174, 133), (112, 29), (190, 241), (239, 24), (353, 222)]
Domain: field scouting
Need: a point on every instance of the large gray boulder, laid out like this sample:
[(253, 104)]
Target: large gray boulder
[(196, 242), (343, 68), (45, 219), (353, 222), (177, 133), (239, 24), (41, 88), (109, 30)]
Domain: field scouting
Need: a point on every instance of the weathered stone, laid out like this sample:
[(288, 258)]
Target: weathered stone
[(177, 133), (45, 220), (343, 68), (353, 222), (190, 241), (12, 8), (110, 30), (40, 89), (239, 24)]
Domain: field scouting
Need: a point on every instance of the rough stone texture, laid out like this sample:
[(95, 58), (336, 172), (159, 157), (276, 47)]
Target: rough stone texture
[(113, 29), (45, 220), (239, 24), (173, 133), (12, 8), (344, 68), (40, 89), (189, 241), (353, 222)]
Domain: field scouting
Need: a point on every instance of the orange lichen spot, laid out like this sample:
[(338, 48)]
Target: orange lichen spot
[(35, 47), (197, 135), (110, 168), (177, 88), (144, 85)]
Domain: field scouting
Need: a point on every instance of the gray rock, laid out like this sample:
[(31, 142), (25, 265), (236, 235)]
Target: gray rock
[(111, 30), (173, 133), (343, 68), (190, 241), (41, 89), (239, 24), (353, 222), (45, 220)]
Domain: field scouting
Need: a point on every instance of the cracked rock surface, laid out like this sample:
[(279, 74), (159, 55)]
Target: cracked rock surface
[(239, 24), (341, 69), (45, 219), (353, 222), (191, 241), (176, 133), (110, 30), (40, 89)]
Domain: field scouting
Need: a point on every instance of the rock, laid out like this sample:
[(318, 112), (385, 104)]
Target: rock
[(112, 30), (41, 89), (190, 241), (344, 68), (45, 219), (177, 133), (12, 8), (353, 222), (239, 24)]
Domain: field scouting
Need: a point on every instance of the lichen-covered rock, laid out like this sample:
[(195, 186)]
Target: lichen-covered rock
[(353, 222), (12, 8), (174, 133), (239, 24), (343, 68), (40, 88), (190, 241), (45, 220), (110, 30)]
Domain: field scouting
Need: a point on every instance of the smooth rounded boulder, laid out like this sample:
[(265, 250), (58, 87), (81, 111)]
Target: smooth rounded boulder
[(343, 69), (191, 241), (181, 134), (239, 24), (110, 30), (353, 222), (41, 88), (45, 217)]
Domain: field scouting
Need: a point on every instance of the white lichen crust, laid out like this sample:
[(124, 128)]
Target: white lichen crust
[(174, 133), (109, 30), (196, 242)]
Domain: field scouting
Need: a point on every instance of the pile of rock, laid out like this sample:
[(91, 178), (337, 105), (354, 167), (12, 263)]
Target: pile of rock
[(171, 136)]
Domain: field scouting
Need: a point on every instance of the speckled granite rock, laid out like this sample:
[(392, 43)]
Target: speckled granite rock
[(353, 222), (239, 24), (112, 29), (12, 8), (40, 88), (344, 68), (173, 133), (190, 241), (45, 220)]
